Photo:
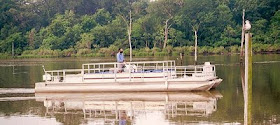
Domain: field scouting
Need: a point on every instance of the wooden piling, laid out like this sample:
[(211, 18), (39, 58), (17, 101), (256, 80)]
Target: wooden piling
[(248, 80), (242, 36)]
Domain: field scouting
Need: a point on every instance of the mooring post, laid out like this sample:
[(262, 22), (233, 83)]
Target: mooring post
[(242, 36), (248, 80)]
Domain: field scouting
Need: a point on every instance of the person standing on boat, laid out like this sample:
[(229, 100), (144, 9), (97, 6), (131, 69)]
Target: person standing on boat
[(120, 60)]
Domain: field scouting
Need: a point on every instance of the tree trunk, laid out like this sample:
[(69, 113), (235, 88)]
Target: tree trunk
[(129, 37), (195, 47), (165, 33), (13, 51)]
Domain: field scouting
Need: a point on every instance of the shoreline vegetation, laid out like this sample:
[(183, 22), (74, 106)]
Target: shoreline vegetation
[(151, 28), (143, 52)]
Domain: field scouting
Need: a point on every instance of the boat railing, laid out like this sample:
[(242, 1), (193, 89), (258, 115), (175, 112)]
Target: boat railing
[(165, 67), (59, 75), (168, 69), (196, 71)]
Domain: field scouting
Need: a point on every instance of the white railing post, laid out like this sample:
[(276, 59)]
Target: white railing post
[(52, 77), (163, 70), (63, 75), (115, 70), (129, 71)]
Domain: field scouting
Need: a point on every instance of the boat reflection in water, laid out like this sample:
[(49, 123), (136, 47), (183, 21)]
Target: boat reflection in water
[(123, 108)]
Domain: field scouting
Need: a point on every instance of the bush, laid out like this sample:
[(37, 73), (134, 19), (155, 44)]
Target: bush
[(234, 49), (218, 50), (94, 55), (42, 53), (159, 54), (261, 48), (146, 49), (155, 49), (189, 49), (175, 53), (106, 51), (68, 52), (83, 52), (179, 49), (168, 49), (4, 56), (203, 50), (126, 52), (141, 54), (113, 48)]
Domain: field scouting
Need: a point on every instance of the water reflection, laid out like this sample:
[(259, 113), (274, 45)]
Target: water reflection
[(129, 108)]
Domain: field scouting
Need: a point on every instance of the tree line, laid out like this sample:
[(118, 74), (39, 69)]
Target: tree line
[(81, 27)]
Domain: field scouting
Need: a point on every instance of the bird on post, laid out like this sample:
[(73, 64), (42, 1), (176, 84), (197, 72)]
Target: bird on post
[(247, 25)]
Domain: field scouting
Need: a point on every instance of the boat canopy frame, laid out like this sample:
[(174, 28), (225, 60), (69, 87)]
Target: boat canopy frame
[(168, 69)]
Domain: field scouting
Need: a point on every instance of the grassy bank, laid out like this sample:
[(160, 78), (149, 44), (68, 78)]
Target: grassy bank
[(143, 52)]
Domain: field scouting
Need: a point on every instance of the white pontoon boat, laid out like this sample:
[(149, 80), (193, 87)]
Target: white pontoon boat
[(136, 76)]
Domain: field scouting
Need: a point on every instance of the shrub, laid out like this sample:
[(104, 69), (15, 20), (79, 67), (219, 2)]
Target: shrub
[(260, 48), (68, 52), (179, 49), (155, 49), (189, 49), (159, 54), (83, 52), (127, 52), (219, 50), (146, 49), (105, 51), (168, 49), (113, 48), (4, 55), (140, 54), (203, 50), (234, 49), (175, 53)]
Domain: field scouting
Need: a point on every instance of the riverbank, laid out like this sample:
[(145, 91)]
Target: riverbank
[(143, 52)]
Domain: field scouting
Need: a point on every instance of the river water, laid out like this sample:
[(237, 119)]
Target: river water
[(224, 105)]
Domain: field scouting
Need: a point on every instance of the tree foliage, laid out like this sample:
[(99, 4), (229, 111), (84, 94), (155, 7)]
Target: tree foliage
[(90, 24)]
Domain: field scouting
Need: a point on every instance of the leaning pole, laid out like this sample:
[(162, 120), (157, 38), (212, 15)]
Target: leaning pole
[(248, 80)]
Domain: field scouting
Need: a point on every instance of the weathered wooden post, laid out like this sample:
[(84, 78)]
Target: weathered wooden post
[(13, 50), (248, 80), (242, 35)]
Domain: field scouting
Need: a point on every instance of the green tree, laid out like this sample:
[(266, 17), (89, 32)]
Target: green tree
[(85, 42), (102, 17), (165, 9), (275, 28), (17, 40), (87, 23)]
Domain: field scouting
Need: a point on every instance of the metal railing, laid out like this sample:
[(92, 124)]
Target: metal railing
[(59, 75), (167, 69), (196, 71)]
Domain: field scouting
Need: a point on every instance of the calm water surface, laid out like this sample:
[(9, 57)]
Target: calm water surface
[(221, 106)]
